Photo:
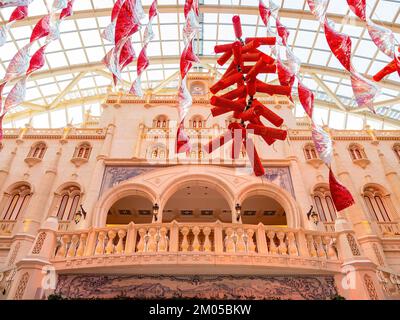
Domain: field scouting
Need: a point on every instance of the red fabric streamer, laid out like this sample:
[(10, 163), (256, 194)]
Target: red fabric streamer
[(37, 60), (41, 29), (359, 8), (306, 97), (19, 13), (340, 45), (341, 197)]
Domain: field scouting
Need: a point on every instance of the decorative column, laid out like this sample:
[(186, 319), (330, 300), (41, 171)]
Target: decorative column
[(139, 141), (89, 202), (302, 196), (36, 209), (358, 279), (355, 213), (35, 275), (5, 167)]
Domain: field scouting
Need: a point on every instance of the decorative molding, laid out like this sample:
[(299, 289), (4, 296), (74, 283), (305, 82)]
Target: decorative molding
[(14, 254), (197, 287), (369, 285), (19, 293), (355, 250), (39, 243)]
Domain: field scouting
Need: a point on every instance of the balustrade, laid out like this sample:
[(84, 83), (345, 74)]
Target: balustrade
[(6, 227), (196, 238), (389, 229)]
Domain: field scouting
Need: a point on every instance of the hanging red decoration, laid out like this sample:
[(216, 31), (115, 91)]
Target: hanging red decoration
[(241, 100), (341, 197)]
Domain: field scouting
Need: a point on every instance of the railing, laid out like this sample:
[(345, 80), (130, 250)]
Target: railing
[(63, 225), (329, 226), (6, 227), (389, 229), (201, 238)]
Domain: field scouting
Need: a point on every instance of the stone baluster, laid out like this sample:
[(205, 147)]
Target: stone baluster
[(174, 237), (330, 250), (262, 246), (91, 243), (282, 248), (272, 246), (311, 246), (153, 239), (292, 244), (142, 240), (110, 243), (72, 248), (196, 242), (218, 238), (163, 242), (229, 242), (130, 242), (207, 247), (100, 243), (251, 247), (240, 242), (185, 242), (320, 248), (82, 244), (119, 249), (62, 251)]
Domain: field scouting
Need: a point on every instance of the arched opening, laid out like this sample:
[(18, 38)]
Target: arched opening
[(132, 208), (260, 208), (197, 202)]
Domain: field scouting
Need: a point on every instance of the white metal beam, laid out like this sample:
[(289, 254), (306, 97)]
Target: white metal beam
[(238, 9), (329, 92)]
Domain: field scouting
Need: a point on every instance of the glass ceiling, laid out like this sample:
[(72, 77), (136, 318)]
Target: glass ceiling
[(74, 80)]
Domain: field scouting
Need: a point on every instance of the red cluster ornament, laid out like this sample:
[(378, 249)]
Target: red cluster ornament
[(247, 63)]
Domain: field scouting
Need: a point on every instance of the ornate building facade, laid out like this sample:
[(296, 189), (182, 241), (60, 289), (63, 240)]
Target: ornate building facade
[(108, 209)]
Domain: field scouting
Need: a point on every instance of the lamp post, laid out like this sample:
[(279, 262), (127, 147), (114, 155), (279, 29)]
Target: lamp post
[(238, 209), (155, 211)]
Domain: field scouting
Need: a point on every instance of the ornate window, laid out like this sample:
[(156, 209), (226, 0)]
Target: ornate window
[(83, 151), (197, 122), (68, 202), (16, 202), (197, 152), (158, 151), (161, 122), (357, 152), (396, 149), (81, 154), (36, 153), (310, 152), (377, 204), (324, 204), (358, 155)]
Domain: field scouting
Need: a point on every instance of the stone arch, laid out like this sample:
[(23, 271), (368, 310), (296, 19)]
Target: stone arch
[(178, 182), (124, 189), (293, 214)]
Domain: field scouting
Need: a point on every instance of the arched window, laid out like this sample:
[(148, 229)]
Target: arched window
[(310, 152), (324, 204), (376, 204), (157, 151), (197, 152), (83, 151), (161, 121), (37, 150), (396, 149), (67, 202), (196, 122), (357, 152), (16, 202)]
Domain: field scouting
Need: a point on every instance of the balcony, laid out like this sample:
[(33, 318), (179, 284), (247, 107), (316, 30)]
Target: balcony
[(389, 229), (197, 245), (6, 227)]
